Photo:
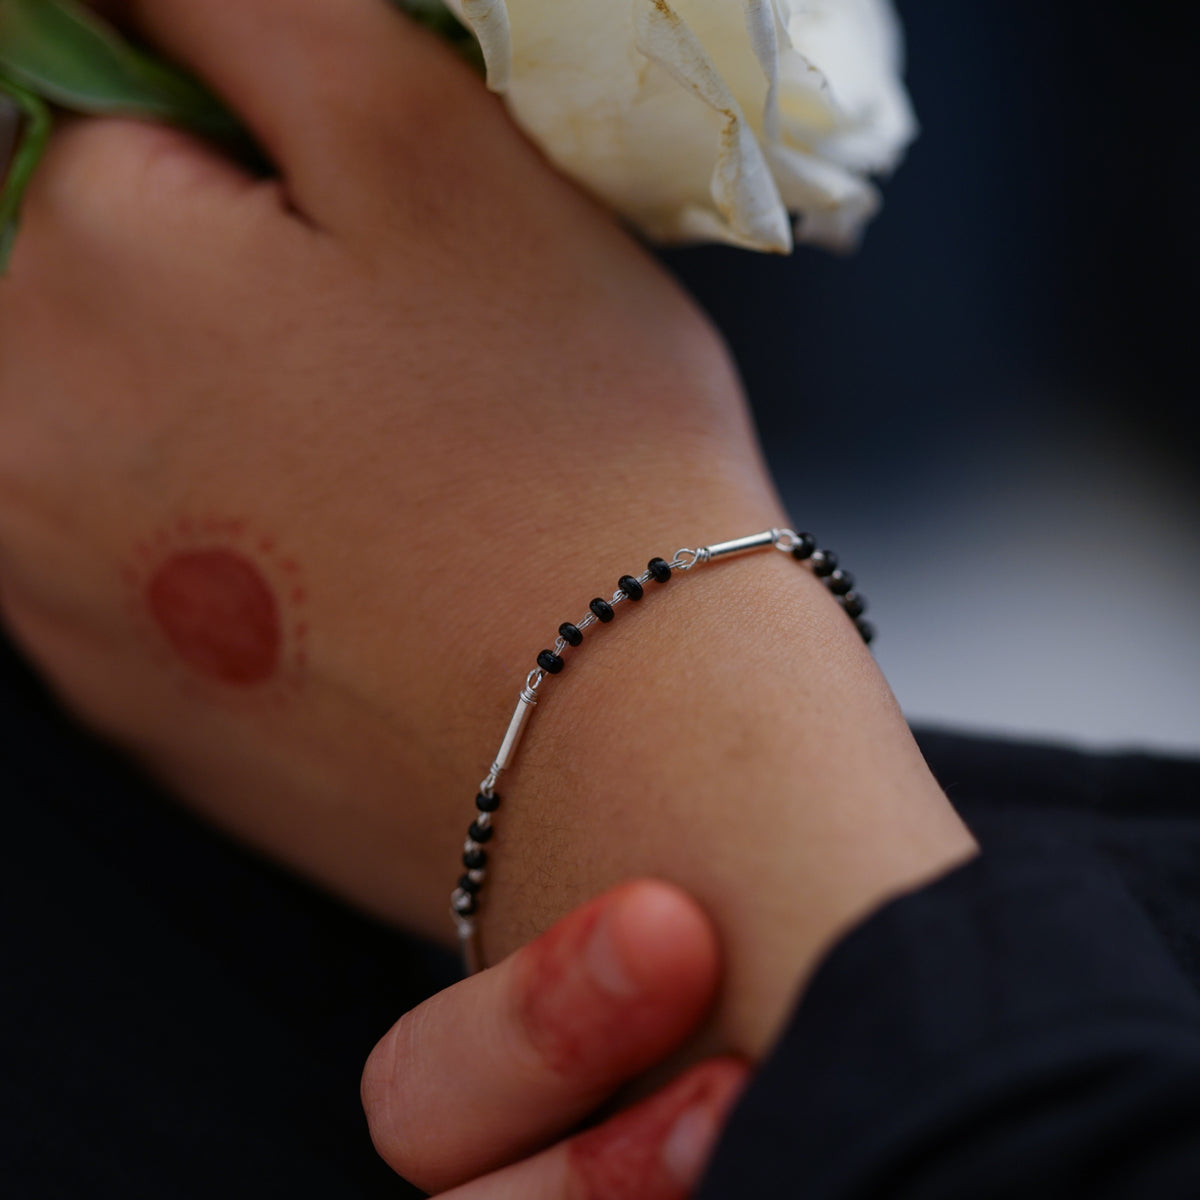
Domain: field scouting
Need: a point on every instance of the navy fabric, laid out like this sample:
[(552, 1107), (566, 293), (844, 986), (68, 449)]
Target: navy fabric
[(1028, 1026), (1019, 1028), (179, 1018)]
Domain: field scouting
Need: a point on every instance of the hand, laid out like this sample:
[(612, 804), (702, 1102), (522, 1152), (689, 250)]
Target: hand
[(475, 1094), (290, 470), (296, 476)]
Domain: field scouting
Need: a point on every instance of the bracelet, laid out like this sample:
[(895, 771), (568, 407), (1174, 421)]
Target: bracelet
[(464, 901)]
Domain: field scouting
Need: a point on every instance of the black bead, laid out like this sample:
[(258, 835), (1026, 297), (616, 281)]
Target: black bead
[(630, 586), (867, 630), (824, 562), (474, 860), (660, 569), (465, 905), (840, 582), (602, 609), (570, 634), (487, 803), (480, 833), (549, 661), (854, 604), (467, 884), (804, 547)]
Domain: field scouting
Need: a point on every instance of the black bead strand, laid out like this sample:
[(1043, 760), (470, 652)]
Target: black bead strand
[(550, 662), (805, 545), (824, 562), (839, 582), (480, 833), (854, 604)]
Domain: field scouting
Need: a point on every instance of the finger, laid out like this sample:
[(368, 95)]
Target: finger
[(315, 81), (656, 1150), (112, 197), (509, 1059)]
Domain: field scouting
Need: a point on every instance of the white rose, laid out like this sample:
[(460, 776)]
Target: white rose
[(709, 119)]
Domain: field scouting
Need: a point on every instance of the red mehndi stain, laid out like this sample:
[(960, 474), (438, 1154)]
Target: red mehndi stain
[(624, 1156), (219, 614)]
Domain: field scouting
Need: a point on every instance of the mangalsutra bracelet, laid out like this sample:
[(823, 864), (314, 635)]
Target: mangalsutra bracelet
[(464, 901)]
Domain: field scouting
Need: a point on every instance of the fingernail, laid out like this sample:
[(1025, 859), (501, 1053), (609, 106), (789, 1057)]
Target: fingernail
[(689, 1145), (605, 962)]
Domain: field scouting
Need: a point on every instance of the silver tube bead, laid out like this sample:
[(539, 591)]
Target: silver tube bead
[(516, 727), (753, 541)]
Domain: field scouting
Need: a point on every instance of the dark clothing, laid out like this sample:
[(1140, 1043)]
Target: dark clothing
[(183, 1020), (180, 1019), (1019, 1029)]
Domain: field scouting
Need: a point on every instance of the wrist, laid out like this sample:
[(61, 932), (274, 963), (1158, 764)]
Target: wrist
[(734, 736), (363, 780), (739, 742)]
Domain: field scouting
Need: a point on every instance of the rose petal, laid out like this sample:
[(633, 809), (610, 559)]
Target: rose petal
[(742, 187), (705, 119), (488, 21)]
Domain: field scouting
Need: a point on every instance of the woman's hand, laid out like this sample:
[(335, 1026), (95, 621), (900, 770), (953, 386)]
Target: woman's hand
[(475, 1094), (292, 472), (297, 477)]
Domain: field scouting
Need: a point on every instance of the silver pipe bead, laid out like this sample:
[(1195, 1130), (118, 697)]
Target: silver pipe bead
[(512, 737), (753, 541)]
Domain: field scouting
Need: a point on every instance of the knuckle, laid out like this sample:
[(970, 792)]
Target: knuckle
[(86, 155), (102, 176), (92, 169)]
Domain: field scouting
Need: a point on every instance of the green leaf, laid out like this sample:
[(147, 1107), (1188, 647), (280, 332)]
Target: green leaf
[(63, 52), (31, 143)]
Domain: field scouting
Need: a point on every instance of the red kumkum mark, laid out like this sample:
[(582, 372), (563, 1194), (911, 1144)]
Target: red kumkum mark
[(219, 613)]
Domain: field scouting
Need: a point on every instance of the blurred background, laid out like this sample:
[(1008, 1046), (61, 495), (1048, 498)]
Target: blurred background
[(989, 411)]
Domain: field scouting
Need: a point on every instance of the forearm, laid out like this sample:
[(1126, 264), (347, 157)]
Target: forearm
[(731, 733)]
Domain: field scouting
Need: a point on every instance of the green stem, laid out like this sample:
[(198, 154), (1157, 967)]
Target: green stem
[(31, 145)]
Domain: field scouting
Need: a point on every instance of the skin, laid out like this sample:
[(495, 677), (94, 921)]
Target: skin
[(478, 1092), (427, 372)]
